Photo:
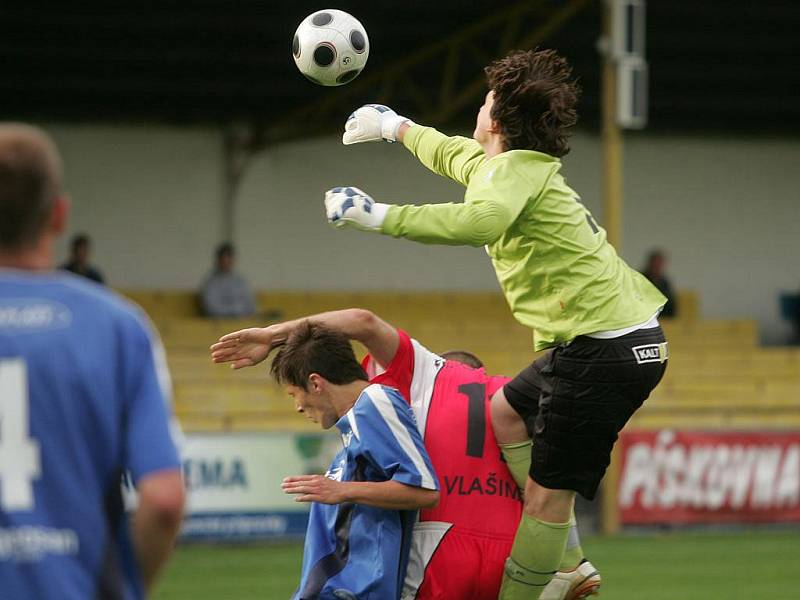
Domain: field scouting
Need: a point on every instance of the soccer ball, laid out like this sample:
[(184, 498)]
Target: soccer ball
[(330, 47)]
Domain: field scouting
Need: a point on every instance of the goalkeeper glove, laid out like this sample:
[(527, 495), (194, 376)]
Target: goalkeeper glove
[(349, 206), (373, 122)]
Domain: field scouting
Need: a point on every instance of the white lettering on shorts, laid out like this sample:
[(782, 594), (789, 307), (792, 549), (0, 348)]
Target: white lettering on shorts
[(651, 353)]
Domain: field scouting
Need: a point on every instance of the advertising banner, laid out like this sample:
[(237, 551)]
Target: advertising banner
[(692, 477), (234, 482)]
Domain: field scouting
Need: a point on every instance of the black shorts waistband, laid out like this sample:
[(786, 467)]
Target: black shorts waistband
[(650, 334)]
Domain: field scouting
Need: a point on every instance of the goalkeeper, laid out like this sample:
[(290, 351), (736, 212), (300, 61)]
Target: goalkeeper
[(560, 277)]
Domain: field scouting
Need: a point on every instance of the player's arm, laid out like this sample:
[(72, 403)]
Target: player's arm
[(454, 157), (391, 442), (468, 224), (480, 221), (150, 453), (157, 520), (249, 347), (380, 494)]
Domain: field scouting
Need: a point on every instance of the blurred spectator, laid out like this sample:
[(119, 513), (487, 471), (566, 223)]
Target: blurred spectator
[(794, 315), (654, 270), (797, 319), (78, 263), (225, 293)]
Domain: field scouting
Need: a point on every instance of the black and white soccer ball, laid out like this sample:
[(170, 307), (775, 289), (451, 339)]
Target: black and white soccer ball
[(330, 47)]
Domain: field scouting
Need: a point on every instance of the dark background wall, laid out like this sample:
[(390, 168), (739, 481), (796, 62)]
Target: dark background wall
[(715, 65)]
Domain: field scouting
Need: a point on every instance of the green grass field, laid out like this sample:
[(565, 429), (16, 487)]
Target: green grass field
[(750, 565)]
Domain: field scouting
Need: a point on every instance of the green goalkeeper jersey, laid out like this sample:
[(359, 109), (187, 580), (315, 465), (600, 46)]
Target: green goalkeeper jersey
[(558, 272)]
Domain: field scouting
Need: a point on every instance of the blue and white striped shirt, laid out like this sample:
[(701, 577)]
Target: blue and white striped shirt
[(356, 551)]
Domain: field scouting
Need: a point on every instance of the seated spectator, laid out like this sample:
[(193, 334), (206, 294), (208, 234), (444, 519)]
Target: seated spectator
[(225, 293), (654, 270), (78, 262)]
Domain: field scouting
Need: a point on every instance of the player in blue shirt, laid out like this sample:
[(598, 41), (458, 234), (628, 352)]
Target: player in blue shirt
[(83, 388), (364, 507)]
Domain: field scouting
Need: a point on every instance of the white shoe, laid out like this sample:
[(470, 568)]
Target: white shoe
[(582, 582)]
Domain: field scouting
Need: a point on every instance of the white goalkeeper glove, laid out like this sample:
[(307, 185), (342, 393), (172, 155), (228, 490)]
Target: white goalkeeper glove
[(371, 123), (349, 206)]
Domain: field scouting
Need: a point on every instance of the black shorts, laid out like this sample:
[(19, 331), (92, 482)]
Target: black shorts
[(577, 398)]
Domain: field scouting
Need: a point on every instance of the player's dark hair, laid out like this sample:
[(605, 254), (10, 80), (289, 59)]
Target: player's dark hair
[(534, 100), (311, 349), (464, 357), (30, 181)]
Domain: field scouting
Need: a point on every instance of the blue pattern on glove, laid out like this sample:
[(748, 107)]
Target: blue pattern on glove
[(347, 204)]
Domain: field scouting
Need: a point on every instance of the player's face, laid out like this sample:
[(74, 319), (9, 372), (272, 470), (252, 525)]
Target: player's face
[(484, 124), (314, 405)]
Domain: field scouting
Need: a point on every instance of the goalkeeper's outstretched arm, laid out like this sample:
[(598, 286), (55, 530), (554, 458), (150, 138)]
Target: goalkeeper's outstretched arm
[(492, 204), (476, 222), (455, 157)]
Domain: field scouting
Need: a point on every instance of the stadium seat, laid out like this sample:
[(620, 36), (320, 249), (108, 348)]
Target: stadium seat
[(718, 375)]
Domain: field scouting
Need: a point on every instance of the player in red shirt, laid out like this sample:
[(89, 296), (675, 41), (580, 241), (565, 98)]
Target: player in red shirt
[(459, 547), (473, 527)]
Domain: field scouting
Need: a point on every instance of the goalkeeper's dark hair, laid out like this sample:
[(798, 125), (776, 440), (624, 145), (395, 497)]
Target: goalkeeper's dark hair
[(534, 100), (312, 348), (30, 182)]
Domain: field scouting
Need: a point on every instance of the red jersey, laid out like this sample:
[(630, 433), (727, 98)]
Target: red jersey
[(450, 401)]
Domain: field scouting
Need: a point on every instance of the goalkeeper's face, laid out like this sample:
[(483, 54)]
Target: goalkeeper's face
[(484, 126)]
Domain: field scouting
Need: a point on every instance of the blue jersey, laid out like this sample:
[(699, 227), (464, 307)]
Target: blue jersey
[(82, 398), (360, 552)]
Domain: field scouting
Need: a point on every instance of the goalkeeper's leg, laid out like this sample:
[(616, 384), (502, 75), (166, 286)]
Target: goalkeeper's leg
[(540, 542), (518, 459), (543, 533)]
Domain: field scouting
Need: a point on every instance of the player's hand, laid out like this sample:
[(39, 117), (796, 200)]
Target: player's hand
[(315, 488), (245, 348), (372, 123), (349, 206)]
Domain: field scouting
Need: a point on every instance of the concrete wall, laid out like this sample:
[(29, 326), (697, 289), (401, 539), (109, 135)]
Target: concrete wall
[(149, 197), (727, 211)]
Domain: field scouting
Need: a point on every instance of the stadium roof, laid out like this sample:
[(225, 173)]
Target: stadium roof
[(714, 65)]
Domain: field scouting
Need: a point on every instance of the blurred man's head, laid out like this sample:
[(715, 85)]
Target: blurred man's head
[(32, 205), (464, 357), (656, 262), (314, 364), (80, 248), (226, 257)]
